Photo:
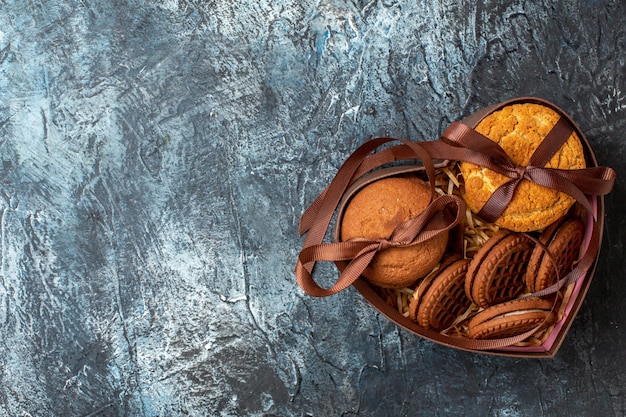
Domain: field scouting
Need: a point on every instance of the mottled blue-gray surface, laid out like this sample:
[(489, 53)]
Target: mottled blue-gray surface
[(156, 157)]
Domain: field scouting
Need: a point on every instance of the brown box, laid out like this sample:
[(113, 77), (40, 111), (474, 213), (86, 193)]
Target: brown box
[(551, 342)]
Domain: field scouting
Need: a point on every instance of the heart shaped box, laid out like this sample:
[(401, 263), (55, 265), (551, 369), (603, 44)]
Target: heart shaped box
[(554, 340)]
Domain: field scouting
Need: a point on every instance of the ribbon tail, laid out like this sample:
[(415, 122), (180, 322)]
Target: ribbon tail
[(360, 251), (594, 180), (498, 201), (556, 180), (309, 215), (554, 140)]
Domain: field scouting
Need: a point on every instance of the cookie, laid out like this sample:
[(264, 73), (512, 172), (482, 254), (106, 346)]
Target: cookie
[(423, 285), (511, 318), (374, 212), (519, 129), (444, 300), (496, 273), (563, 240)]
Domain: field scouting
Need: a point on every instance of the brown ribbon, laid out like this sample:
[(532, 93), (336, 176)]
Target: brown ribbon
[(459, 142), (442, 214), (473, 147), (466, 144), (433, 221)]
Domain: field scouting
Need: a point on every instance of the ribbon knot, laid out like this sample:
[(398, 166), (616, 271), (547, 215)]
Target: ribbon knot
[(354, 255), (520, 170), (386, 244), (461, 142)]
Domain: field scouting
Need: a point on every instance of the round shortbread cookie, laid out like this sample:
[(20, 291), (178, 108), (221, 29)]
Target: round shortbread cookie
[(374, 212), (519, 129)]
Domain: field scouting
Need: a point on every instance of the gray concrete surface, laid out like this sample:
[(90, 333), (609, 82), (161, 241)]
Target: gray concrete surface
[(157, 155)]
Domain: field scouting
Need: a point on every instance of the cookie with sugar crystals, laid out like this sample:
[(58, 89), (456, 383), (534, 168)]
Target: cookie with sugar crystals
[(519, 129), (511, 318), (497, 271)]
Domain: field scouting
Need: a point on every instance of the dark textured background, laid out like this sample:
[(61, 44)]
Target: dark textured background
[(156, 157)]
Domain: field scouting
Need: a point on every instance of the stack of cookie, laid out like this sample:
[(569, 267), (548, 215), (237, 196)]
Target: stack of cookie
[(481, 292)]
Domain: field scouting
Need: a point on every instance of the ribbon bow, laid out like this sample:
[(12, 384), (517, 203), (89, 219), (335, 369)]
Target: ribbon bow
[(463, 143), (441, 215)]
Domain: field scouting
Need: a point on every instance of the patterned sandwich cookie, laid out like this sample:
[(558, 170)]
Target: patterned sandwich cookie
[(443, 299), (511, 318), (563, 241), (497, 271), (423, 285)]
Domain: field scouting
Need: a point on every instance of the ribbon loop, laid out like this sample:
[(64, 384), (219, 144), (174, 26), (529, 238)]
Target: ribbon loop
[(520, 171), (480, 150), (459, 142), (440, 216)]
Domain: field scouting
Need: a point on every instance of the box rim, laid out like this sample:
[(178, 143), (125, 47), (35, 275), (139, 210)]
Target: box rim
[(368, 293)]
